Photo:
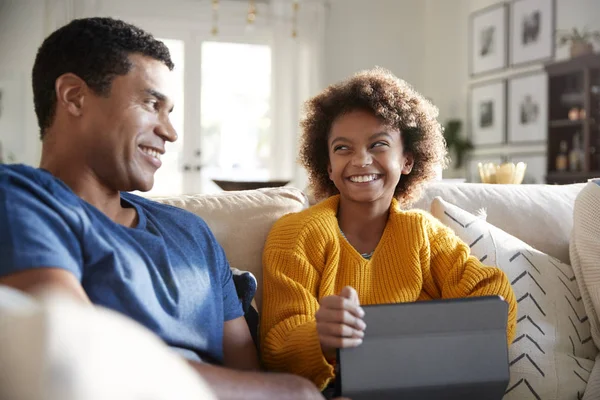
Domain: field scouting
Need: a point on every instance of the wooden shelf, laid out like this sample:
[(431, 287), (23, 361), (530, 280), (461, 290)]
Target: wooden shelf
[(567, 177), (565, 123), (573, 65), (573, 83)]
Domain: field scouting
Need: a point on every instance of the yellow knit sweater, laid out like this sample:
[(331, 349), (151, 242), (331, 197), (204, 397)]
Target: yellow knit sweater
[(307, 258)]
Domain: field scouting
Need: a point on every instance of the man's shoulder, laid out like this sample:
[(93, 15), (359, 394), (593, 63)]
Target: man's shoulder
[(23, 181), (11, 174), (166, 212)]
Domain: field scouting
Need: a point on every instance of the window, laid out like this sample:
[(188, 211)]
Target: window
[(235, 112)]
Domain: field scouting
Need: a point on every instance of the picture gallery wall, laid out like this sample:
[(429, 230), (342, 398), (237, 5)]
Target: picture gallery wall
[(510, 111)]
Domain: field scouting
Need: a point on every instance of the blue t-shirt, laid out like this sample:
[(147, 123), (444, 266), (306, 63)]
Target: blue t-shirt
[(168, 273)]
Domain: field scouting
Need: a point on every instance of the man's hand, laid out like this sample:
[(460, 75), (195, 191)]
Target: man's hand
[(339, 322)]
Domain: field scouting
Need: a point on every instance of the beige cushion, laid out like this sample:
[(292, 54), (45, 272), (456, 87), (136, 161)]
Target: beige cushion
[(585, 255), (241, 221), (552, 354), (56, 348), (539, 215)]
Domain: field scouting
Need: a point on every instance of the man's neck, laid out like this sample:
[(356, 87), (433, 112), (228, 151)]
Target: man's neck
[(87, 185)]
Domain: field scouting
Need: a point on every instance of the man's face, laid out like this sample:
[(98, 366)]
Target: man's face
[(125, 132)]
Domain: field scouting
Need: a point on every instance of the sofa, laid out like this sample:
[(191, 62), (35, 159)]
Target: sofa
[(525, 228)]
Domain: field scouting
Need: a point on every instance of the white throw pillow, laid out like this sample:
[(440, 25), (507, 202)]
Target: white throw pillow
[(552, 354), (521, 210), (585, 256)]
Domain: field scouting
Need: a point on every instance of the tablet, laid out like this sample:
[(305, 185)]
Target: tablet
[(439, 349)]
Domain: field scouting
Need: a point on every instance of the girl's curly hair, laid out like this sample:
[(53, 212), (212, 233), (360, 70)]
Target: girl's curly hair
[(398, 105)]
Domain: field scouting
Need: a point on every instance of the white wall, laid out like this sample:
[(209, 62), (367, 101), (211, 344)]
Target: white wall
[(361, 34), (21, 32), (422, 41), (446, 63)]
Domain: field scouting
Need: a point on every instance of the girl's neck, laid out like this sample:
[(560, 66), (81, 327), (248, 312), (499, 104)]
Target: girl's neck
[(363, 221)]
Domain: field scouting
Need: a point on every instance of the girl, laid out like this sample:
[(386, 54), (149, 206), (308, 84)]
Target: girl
[(369, 144)]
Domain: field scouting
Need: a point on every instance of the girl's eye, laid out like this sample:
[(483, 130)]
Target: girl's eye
[(379, 144), (340, 147)]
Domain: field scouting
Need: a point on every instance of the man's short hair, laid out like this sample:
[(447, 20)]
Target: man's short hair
[(95, 49)]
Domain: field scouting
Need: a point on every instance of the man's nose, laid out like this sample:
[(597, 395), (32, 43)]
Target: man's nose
[(166, 131)]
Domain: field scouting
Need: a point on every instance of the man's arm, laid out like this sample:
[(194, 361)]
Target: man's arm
[(248, 385), (238, 347), (35, 279)]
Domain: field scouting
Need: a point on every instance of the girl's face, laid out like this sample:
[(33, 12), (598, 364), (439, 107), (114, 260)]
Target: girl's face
[(366, 158)]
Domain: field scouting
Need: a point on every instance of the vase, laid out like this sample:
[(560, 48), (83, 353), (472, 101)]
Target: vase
[(581, 48)]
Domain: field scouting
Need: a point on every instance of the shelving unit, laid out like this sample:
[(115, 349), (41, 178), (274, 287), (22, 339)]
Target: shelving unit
[(574, 109)]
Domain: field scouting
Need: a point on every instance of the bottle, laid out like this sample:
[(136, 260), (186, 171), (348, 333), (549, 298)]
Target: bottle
[(575, 159), (561, 158)]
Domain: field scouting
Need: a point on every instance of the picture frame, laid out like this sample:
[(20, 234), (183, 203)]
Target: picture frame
[(536, 166), (475, 159), (488, 39), (532, 27), (528, 108), (487, 113)]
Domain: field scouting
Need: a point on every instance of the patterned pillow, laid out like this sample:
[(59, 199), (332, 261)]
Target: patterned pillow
[(552, 354)]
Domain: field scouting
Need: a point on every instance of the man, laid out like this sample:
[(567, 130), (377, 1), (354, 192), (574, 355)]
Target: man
[(103, 105)]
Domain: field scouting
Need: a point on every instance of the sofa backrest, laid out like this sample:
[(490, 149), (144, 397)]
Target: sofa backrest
[(539, 215), (242, 220)]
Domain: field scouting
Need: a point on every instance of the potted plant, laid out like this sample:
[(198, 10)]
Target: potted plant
[(456, 143), (580, 40)]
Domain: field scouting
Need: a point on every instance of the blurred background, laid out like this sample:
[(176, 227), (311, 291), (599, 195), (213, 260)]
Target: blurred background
[(514, 81)]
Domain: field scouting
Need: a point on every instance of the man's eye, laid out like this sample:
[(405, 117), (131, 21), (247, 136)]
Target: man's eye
[(152, 103)]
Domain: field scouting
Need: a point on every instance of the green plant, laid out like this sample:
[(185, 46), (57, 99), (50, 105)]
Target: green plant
[(577, 36), (456, 143)]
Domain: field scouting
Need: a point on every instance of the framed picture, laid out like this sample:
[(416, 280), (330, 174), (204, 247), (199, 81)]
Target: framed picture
[(528, 108), (532, 31), (488, 38), (536, 166), (474, 160), (487, 113)]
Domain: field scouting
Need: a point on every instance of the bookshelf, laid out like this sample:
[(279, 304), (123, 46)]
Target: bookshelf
[(574, 116)]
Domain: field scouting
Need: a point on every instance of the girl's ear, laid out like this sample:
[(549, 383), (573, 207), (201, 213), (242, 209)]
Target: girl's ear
[(329, 170), (409, 161)]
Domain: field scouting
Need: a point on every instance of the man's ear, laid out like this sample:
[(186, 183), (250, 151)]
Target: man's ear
[(409, 161), (70, 93)]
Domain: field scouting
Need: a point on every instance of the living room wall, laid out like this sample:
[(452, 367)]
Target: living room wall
[(361, 34), (422, 41), (446, 59), (21, 31)]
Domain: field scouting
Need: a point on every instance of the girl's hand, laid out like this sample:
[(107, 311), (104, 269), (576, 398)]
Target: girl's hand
[(339, 322)]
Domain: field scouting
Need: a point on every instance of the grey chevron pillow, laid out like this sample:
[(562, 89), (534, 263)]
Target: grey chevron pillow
[(552, 354)]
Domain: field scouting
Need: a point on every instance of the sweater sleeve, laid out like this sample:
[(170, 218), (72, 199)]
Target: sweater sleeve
[(289, 339), (456, 273)]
